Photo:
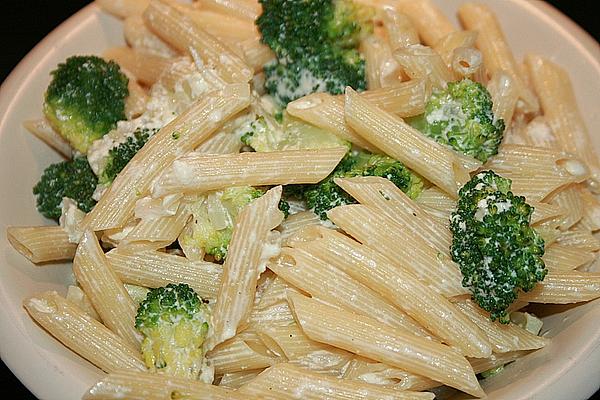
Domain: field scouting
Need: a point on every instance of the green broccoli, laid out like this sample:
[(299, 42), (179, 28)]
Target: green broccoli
[(73, 179), (316, 43), (85, 99), (119, 156), (174, 321), (497, 250), (461, 117), (325, 195), (213, 219), (266, 134)]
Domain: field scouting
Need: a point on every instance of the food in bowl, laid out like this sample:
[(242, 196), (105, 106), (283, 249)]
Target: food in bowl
[(379, 124)]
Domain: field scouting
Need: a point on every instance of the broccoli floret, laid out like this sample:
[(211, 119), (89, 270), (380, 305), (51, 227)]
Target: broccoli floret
[(461, 117), (119, 156), (85, 99), (328, 71), (266, 134), (326, 195), (316, 46), (73, 179), (174, 322), (497, 250), (213, 220)]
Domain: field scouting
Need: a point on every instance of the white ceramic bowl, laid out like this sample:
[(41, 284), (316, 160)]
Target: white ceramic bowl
[(566, 369)]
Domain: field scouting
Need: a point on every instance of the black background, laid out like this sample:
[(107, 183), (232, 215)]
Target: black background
[(26, 22)]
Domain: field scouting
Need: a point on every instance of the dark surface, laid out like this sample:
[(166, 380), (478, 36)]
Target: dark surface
[(25, 22)]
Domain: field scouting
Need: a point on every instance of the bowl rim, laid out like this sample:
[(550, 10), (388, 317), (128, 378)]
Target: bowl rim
[(589, 354)]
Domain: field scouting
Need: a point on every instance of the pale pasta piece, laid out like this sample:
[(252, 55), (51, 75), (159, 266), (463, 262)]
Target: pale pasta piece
[(327, 283), (200, 172), (41, 244), (249, 247), (298, 349), (275, 292), (422, 62), (536, 172), (135, 104), (380, 233), (560, 109), (249, 9), (396, 285), (286, 381), (496, 360), (256, 54), (544, 211), (139, 37), (505, 94), (591, 211), (221, 143), (327, 112), (566, 258), (503, 338), (43, 130), (184, 34), (123, 8), (570, 200), (368, 370), (446, 46), (438, 164), (77, 296), (146, 67), (193, 127), (405, 99), (437, 203), (218, 24), (382, 195), (582, 239), (156, 233), (234, 380), (295, 223), (497, 55), (156, 268), (243, 352), (400, 29), (82, 334), (381, 68), (368, 337), (565, 287), (275, 314), (466, 62), (104, 289), (132, 385), (431, 23)]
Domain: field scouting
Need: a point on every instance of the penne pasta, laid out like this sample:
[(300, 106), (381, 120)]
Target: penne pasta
[(104, 289), (139, 37), (41, 244), (234, 380), (333, 286), (378, 232), (248, 250), (400, 288), (156, 269), (78, 298), (560, 109), (295, 223), (192, 127), (447, 45), (366, 336), (184, 34), (43, 130), (405, 99), (422, 62), (565, 287), (503, 338), (249, 9), (381, 68), (132, 385), (430, 21), (286, 381), (569, 199), (199, 172), (241, 353), (146, 67), (385, 197), (439, 165), (400, 29), (83, 334), (372, 371), (505, 93), (123, 8), (497, 55), (566, 258)]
